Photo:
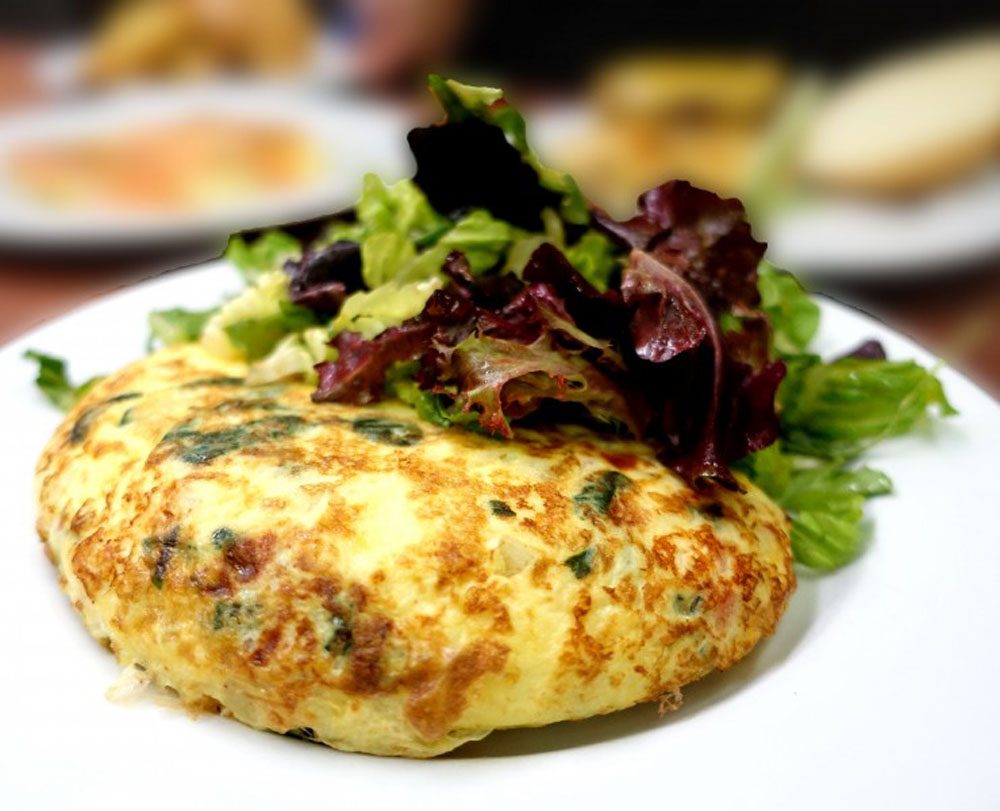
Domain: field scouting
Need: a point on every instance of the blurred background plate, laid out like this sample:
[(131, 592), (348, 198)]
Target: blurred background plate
[(60, 67), (340, 139), (849, 237), (890, 170)]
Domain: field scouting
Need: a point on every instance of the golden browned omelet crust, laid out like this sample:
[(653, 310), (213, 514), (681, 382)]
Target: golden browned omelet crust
[(358, 577)]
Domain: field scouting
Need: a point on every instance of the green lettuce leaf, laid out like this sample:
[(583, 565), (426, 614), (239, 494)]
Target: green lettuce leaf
[(401, 208), (249, 326), (391, 258), (53, 381), (404, 240), (824, 502), (830, 413), (837, 410), (794, 316), (256, 337), (595, 257), (178, 326), (267, 253), (526, 243), (460, 101), (371, 312), (339, 230), (481, 237), (395, 224), (400, 383), (294, 356), (383, 256)]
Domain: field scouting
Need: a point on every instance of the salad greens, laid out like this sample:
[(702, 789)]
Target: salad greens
[(839, 409), (295, 355), (251, 325), (824, 502), (594, 256), (268, 252), (401, 384), (177, 326), (464, 103), (793, 315), (371, 312), (830, 414), (485, 290), (53, 381), (403, 239)]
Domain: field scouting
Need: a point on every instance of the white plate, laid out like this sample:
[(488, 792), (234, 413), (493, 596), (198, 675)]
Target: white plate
[(879, 689), (353, 138)]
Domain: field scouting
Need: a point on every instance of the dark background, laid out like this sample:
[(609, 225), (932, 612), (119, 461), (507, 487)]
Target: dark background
[(560, 39), (561, 36)]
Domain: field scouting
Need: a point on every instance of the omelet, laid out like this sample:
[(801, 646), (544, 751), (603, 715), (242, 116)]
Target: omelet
[(358, 577)]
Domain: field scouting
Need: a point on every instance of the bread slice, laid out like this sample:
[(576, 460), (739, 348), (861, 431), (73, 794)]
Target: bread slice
[(910, 124)]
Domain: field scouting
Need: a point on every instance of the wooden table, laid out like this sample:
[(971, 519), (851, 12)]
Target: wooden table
[(35, 288)]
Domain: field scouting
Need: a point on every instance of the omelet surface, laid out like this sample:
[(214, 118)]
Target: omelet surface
[(360, 577)]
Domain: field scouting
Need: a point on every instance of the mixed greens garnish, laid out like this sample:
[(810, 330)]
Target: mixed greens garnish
[(486, 292), (53, 381)]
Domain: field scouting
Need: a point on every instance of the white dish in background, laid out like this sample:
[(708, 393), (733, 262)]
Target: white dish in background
[(352, 137), (878, 689), (828, 238)]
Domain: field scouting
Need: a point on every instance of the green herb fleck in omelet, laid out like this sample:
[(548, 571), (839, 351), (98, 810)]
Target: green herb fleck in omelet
[(389, 432), (213, 381), (163, 548), (687, 605), (86, 420), (501, 509), (234, 614), (600, 490), (201, 447), (223, 537), (580, 563), (341, 638)]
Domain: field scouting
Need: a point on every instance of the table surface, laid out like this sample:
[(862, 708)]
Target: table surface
[(954, 312)]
